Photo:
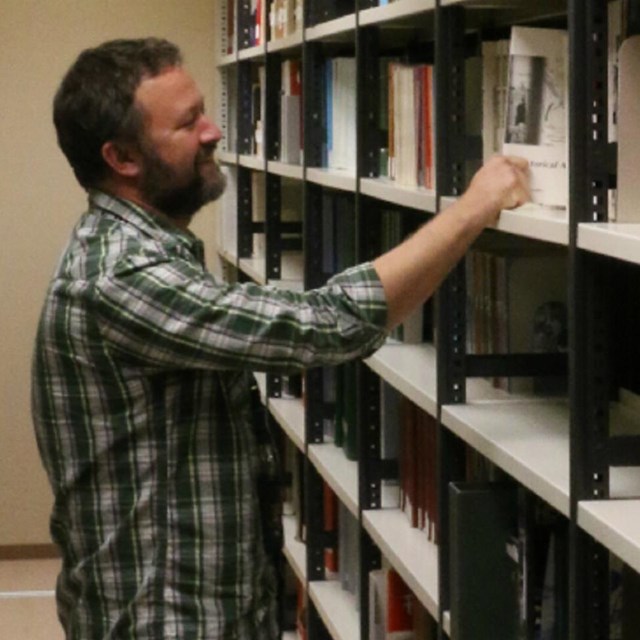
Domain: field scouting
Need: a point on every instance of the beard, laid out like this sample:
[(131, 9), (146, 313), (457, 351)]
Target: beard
[(176, 197)]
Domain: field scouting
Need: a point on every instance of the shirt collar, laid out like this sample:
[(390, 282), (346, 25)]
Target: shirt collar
[(146, 222)]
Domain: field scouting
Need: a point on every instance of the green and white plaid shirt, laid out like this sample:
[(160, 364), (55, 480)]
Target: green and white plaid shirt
[(141, 407)]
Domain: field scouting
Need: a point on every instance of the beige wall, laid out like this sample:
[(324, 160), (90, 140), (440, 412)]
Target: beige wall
[(39, 200)]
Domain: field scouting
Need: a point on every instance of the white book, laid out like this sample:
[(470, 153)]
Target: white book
[(536, 110), (342, 155), (228, 226), (628, 205)]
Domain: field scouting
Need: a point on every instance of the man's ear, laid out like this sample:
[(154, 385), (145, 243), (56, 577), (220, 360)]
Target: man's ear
[(123, 159)]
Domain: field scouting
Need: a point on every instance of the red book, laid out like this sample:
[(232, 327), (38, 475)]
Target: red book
[(399, 604)]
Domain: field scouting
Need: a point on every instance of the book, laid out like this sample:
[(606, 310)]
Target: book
[(410, 124), (390, 400), (290, 113), (417, 460), (391, 604), (628, 198), (340, 109), (330, 511), (537, 110), (227, 221), (230, 27), (482, 524)]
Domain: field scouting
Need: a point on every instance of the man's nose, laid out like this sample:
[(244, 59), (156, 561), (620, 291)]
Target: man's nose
[(210, 131)]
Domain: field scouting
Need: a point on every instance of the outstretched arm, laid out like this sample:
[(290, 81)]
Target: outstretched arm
[(412, 271)]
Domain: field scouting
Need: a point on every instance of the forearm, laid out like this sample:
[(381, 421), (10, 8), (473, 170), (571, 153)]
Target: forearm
[(412, 271)]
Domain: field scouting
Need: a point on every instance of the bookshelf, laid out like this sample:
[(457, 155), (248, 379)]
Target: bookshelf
[(568, 453)]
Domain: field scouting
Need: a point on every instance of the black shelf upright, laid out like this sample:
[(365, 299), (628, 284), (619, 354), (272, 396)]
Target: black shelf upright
[(246, 227), (455, 149), (592, 450), (451, 297), (274, 227), (370, 465), (316, 409)]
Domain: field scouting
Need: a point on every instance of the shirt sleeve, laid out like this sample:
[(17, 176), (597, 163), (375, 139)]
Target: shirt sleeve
[(172, 314)]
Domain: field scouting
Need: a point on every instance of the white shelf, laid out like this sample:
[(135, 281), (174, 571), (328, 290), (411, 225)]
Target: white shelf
[(261, 379), (330, 28), (409, 551), (227, 60), (287, 170), (288, 42), (385, 189), (615, 524), (337, 608), (529, 439), (227, 157), (411, 369), (251, 52), (255, 268), (251, 162), (290, 285), (394, 10), (294, 550), (333, 178), (289, 413), (532, 221), (340, 473), (616, 239), (228, 255)]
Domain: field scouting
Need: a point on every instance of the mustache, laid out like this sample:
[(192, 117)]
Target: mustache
[(206, 151)]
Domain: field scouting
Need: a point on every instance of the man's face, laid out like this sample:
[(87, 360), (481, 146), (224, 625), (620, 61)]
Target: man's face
[(179, 174)]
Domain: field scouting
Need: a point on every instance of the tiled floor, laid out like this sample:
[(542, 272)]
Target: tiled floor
[(27, 605)]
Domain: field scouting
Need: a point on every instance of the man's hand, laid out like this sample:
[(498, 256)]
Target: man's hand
[(501, 183), (412, 271)]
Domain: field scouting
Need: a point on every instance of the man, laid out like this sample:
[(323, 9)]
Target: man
[(143, 361)]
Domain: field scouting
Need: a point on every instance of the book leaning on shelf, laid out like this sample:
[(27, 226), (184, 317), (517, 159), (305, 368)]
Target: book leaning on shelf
[(536, 111)]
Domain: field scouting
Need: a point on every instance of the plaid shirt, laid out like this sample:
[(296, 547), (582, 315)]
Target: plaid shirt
[(142, 412)]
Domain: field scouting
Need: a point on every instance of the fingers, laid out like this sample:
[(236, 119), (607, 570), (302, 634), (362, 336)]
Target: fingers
[(518, 162), (511, 180), (521, 192)]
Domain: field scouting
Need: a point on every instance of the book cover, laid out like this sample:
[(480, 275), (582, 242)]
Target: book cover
[(536, 110), (628, 200), (483, 522)]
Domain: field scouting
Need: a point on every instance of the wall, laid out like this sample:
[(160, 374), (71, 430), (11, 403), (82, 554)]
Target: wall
[(40, 201)]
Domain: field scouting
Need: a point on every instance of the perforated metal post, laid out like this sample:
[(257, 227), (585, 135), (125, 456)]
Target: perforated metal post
[(589, 380), (451, 298)]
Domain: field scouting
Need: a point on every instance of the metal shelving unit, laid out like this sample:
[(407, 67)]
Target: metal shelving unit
[(565, 453)]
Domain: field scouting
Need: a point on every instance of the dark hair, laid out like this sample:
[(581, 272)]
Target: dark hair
[(95, 101)]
